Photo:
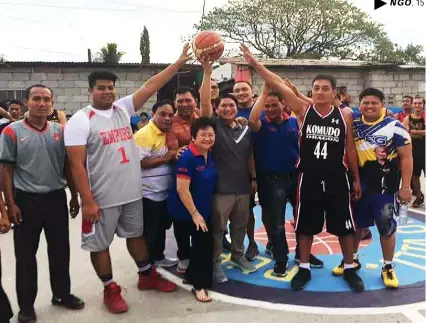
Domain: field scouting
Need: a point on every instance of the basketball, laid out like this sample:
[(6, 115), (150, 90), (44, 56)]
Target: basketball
[(208, 44)]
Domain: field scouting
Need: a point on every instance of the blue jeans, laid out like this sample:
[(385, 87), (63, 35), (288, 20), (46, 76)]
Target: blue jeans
[(274, 191)]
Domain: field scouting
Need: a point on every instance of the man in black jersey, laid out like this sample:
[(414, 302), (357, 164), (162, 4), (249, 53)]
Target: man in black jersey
[(327, 150)]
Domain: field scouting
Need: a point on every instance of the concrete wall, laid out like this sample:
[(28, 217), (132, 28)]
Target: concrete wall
[(394, 83), (71, 88), (70, 85)]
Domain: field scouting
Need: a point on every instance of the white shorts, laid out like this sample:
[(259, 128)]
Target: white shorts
[(124, 220)]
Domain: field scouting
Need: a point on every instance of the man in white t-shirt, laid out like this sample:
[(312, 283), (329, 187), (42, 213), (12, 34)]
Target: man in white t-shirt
[(106, 167)]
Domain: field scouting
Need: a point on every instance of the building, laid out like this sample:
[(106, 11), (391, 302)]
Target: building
[(394, 80), (68, 80)]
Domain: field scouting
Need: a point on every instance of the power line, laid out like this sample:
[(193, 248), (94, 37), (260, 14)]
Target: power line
[(22, 19), (153, 8), (45, 50), (92, 9)]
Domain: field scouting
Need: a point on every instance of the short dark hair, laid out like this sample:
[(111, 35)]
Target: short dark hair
[(101, 75), (17, 102), (162, 103), (247, 82), (201, 124), (408, 96), (28, 90), (372, 92), (326, 77), (3, 105), (226, 96), (144, 114), (276, 94), (183, 90), (420, 97)]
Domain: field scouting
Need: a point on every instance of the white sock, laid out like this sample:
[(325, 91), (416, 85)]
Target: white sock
[(348, 266), (386, 262), (305, 265), (108, 282)]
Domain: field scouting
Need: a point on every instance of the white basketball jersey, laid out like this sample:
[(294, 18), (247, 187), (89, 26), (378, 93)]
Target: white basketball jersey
[(113, 164)]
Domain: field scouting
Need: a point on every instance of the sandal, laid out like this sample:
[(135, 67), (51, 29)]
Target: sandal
[(194, 292)]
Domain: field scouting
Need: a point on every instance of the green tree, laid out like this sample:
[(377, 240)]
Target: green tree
[(2, 59), (305, 29), (145, 46), (109, 54)]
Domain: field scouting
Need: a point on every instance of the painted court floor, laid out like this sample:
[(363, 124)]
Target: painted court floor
[(246, 298)]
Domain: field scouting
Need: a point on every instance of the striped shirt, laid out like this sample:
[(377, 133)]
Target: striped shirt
[(151, 143)]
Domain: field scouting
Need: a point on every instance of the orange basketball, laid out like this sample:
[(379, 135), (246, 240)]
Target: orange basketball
[(208, 44)]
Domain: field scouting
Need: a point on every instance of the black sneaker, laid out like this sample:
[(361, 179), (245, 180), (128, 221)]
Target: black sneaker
[(24, 317), (268, 249), (301, 279), (280, 269), (419, 202), (314, 262), (354, 281), (252, 251), (71, 302)]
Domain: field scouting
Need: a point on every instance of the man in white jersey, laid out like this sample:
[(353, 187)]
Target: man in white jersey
[(106, 166)]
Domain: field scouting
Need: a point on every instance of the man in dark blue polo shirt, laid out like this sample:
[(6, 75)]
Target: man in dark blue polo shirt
[(276, 152)]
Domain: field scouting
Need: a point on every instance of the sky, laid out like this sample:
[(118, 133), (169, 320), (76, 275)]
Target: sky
[(49, 30)]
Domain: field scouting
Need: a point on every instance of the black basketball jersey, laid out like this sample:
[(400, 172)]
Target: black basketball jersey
[(322, 142), (53, 117)]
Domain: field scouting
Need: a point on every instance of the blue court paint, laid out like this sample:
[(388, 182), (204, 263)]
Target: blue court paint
[(409, 262)]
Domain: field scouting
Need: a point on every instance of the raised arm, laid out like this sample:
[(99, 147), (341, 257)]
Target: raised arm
[(275, 82), (206, 108), (155, 83), (255, 114)]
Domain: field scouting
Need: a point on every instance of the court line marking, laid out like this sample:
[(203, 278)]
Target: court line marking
[(416, 211), (414, 316), (299, 308)]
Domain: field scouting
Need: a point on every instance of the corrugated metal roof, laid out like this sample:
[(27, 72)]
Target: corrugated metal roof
[(313, 63)]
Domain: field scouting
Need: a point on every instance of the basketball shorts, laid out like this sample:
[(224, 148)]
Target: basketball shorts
[(379, 209), (124, 220), (324, 199), (418, 157)]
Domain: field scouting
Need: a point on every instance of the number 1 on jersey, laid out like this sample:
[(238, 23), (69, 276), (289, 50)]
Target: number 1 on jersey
[(124, 158), (318, 152)]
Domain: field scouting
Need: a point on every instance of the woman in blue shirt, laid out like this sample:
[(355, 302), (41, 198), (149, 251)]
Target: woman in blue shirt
[(189, 204)]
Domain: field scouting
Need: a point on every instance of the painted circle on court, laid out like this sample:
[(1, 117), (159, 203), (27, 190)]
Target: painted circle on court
[(324, 290)]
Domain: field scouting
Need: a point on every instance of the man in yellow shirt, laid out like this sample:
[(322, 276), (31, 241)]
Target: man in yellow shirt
[(156, 180)]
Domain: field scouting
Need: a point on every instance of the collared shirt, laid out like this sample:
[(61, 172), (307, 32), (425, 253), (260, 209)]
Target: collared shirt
[(38, 156), (276, 146), (151, 143), (203, 176), (179, 134), (231, 152), (375, 140)]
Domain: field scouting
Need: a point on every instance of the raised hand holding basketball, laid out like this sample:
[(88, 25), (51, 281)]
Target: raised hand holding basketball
[(186, 55), (206, 64)]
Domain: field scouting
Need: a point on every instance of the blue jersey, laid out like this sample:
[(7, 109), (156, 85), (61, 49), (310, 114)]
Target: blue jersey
[(376, 145)]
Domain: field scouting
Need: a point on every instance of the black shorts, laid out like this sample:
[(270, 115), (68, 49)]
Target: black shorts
[(418, 157), (322, 198)]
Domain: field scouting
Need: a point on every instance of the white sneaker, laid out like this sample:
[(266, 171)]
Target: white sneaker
[(166, 262), (182, 266)]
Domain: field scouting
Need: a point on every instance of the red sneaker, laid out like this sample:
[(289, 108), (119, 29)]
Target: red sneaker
[(113, 300), (155, 281)]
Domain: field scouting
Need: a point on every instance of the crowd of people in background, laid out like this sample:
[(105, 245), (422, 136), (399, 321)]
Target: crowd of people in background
[(198, 163)]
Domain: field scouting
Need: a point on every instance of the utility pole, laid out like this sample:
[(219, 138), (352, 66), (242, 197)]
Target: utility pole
[(202, 17)]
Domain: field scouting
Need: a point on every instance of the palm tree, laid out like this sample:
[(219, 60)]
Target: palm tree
[(109, 54)]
